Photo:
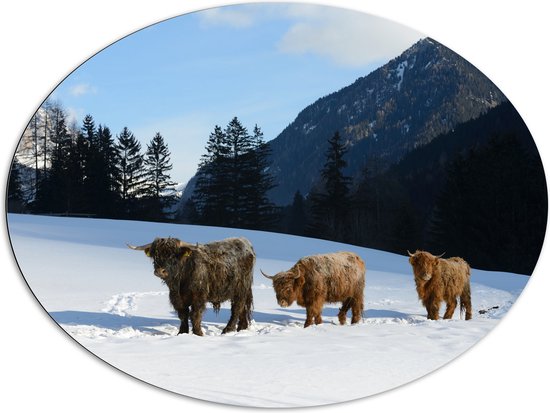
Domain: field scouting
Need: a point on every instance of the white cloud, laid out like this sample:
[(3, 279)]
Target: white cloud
[(81, 89), (238, 18), (74, 115), (347, 38)]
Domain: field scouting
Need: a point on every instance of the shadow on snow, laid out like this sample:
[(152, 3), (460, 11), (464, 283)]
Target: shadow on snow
[(147, 324)]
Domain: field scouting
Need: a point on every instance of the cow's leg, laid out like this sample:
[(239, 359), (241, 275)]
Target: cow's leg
[(196, 318), (309, 316), (246, 313), (318, 319), (181, 305), (451, 305), (433, 309), (235, 311), (346, 304), (357, 310), (183, 315), (466, 301), (243, 320), (317, 311)]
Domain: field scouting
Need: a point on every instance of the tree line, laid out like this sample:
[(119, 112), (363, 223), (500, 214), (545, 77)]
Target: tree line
[(70, 170), (65, 169), (477, 192)]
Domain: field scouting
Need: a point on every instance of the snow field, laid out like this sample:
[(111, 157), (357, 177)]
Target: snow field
[(106, 297)]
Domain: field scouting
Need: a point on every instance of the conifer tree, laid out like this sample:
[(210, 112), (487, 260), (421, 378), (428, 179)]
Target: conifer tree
[(240, 145), (233, 179), (259, 211), (91, 165), (336, 184), (107, 172), (89, 130), (330, 205), (211, 193), (79, 167), (59, 171), (157, 166), (15, 190), (130, 172)]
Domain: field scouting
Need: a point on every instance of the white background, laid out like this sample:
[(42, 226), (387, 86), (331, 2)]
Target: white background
[(41, 367)]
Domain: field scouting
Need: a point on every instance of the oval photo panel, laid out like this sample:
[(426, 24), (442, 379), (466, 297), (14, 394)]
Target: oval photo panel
[(238, 193)]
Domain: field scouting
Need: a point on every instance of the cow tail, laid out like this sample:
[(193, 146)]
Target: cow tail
[(216, 306)]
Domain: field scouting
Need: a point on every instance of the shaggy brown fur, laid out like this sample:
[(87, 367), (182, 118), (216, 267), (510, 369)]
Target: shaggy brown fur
[(438, 280), (196, 274), (319, 279)]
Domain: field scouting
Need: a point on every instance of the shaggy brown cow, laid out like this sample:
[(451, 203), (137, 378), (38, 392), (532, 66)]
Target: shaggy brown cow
[(197, 274), (438, 280), (314, 280)]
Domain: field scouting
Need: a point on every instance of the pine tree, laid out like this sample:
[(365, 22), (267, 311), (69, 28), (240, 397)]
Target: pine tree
[(233, 179), (157, 166), (107, 173), (15, 190), (240, 146), (330, 206), (211, 194), (259, 212), (77, 172), (92, 166), (89, 130), (336, 184), (59, 170), (130, 172)]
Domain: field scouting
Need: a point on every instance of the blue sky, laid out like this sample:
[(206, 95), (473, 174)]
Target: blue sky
[(262, 63)]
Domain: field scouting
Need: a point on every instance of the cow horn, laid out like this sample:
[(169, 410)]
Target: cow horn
[(410, 255), (186, 244), (439, 256), (140, 248), (267, 276)]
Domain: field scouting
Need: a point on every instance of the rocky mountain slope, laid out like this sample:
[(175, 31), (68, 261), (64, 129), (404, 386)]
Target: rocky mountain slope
[(406, 103)]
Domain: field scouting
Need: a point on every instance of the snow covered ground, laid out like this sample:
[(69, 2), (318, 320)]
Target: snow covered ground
[(106, 297)]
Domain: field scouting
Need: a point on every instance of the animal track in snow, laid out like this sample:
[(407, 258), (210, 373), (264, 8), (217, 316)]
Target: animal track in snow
[(121, 304)]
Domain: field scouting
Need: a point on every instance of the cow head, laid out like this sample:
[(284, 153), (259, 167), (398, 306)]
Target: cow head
[(167, 255), (423, 264), (287, 285)]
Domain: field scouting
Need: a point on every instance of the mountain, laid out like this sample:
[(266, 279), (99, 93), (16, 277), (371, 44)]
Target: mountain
[(405, 104)]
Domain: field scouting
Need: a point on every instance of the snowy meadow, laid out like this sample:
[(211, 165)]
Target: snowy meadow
[(107, 298)]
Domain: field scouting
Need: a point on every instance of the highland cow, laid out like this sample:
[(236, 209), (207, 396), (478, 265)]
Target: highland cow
[(196, 274), (319, 279), (438, 279)]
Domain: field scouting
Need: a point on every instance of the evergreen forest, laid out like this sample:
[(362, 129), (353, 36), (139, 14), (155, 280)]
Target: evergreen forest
[(478, 191)]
